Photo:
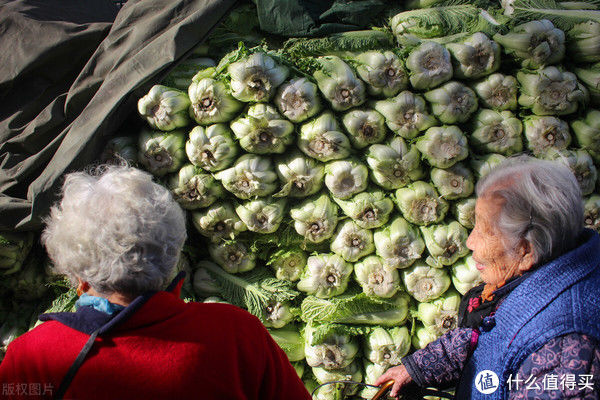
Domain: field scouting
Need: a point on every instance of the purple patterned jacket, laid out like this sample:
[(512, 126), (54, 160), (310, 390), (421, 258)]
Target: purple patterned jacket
[(566, 367)]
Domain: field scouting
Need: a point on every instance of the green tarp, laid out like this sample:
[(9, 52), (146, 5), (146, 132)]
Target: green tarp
[(70, 76), (294, 18)]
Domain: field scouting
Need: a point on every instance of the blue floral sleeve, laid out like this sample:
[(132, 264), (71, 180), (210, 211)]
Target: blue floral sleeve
[(567, 367), (441, 361)]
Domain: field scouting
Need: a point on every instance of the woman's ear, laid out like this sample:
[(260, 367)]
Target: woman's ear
[(528, 257), (82, 286)]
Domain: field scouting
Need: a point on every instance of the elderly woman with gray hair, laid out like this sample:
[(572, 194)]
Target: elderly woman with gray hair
[(117, 235), (532, 329)]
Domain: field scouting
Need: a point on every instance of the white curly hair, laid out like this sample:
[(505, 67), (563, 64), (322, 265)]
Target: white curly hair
[(115, 229)]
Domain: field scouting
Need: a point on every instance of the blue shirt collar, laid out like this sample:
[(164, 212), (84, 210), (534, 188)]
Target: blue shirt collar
[(98, 303)]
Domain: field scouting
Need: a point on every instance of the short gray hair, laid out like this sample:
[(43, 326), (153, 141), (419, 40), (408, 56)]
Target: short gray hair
[(543, 204), (115, 229)]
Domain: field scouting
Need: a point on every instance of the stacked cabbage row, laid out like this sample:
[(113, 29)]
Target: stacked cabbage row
[(336, 195)]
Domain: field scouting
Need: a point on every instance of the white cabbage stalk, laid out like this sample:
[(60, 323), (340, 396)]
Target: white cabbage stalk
[(587, 132), (204, 284), (535, 43), (372, 373), (346, 178), (482, 166), (590, 77), (421, 204), (299, 368), (383, 72), (399, 244), (250, 176), (453, 102), (288, 264), (315, 220), (233, 257), (386, 347), (183, 265), (551, 92), (262, 215), (215, 299), (298, 100), (262, 130), (443, 146), (310, 384), (376, 278), (277, 314), (211, 148), (394, 164), (365, 127), (336, 351), (350, 373), (453, 183), (583, 41), (429, 65), (368, 209), (256, 78), (207, 71), (339, 391), (425, 283), (497, 132), (193, 188), (357, 309), (475, 56), (465, 275), (211, 103), (328, 392), (544, 133), (162, 152), (409, 27), (406, 114), (508, 6), (581, 164), (446, 243), (218, 222), (445, 19), (291, 342), (183, 74), (120, 148), (464, 211), (498, 92), (423, 336), (325, 276), (322, 139), (301, 176), (339, 85), (441, 314), (352, 242), (591, 212), (165, 108)]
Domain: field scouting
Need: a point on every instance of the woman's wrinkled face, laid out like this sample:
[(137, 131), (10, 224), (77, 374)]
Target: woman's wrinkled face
[(494, 261)]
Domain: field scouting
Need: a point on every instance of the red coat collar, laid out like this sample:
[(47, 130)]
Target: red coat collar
[(145, 310)]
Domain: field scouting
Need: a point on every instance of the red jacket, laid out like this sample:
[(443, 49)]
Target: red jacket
[(164, 349)]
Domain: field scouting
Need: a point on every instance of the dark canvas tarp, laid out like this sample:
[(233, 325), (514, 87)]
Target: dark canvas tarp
[(293, 18), (69, 76)]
